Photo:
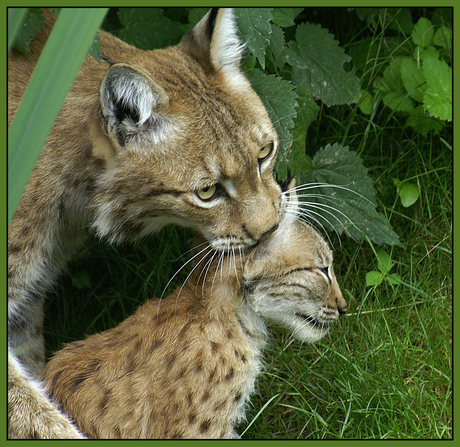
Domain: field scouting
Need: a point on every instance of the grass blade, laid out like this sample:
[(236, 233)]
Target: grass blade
[(56, 70), (15, 19)]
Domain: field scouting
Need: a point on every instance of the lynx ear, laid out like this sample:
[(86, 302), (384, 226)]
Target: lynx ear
[(130, 102), (214, 41)]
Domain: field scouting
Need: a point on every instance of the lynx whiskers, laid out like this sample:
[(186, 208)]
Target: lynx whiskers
[(334, 217)]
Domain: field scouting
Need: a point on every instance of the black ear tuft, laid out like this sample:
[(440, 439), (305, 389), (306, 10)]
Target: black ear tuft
[(211, 23)]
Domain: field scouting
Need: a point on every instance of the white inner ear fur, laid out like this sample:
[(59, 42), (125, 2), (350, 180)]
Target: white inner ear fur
[(132, 90), (226, 48)]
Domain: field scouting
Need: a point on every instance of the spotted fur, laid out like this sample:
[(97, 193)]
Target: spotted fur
[(185, 366)]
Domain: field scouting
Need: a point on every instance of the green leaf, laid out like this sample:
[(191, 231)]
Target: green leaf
[(277, 45), (401, 19), (317, 60), (307, 112), (81, 280), (394, 278), (423, 32), (345, 200), (408, 192), (423, 123), (399, 101), (443, 38), (293, 158), (255, 27), (280, 100), (16, 17), (195, 15), (384, 261), (33, 22), (148, 28), (413, 79), (284, 17), (421, 53), (438, 97), (366, 103), (374, 278), (56, 69), (392, 76)]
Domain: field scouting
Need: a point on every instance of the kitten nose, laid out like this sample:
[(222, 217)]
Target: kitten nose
[(342, 310), (268, 233)]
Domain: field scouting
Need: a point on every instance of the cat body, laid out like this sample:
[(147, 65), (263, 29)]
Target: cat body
[(144, 139), (185, 366)]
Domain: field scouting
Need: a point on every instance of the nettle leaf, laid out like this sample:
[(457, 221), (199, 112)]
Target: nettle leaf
[(293, 159), (95, 49), (195, 15), (32, 23), (438, 96), (280, 100), (413, 79), (148, 28), (317, 60), (423, 32), (255, 28), (284, 17), (275, 49), (340, 196)]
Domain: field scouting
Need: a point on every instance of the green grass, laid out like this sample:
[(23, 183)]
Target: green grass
[(385, 371)]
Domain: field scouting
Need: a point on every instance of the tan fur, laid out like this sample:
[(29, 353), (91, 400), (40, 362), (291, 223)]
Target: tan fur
[(185, 366), (130, 149)]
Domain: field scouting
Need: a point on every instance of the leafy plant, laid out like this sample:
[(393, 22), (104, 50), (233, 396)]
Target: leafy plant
[(294, 76), (415, 78), (296, 67)]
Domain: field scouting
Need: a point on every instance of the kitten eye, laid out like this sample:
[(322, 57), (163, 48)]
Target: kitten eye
[(265, 152), (207, 193), (325, 272)]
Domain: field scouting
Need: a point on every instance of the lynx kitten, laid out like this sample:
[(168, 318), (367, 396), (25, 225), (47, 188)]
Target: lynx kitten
[(184, 367)]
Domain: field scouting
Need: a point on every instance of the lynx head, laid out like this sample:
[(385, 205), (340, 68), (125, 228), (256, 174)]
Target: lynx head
[(184, 138), (289, 278)]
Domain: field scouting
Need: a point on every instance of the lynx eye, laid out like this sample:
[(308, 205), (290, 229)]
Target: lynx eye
[(265, 152), (207, 193)]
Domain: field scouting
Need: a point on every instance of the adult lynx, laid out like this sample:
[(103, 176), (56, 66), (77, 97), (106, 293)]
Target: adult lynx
[(145, 139), (185, 366)]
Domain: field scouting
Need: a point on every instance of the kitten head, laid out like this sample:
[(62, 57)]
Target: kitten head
[(185, 139), (289, 278)]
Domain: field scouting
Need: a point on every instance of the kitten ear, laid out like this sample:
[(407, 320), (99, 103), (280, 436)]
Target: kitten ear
[(129, 100), (215, 43)]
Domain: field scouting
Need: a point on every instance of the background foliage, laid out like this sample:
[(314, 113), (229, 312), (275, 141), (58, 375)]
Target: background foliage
[(362, 99)]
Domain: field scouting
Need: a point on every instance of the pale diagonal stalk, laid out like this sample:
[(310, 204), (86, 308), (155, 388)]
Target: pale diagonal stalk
[(53, 76)]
